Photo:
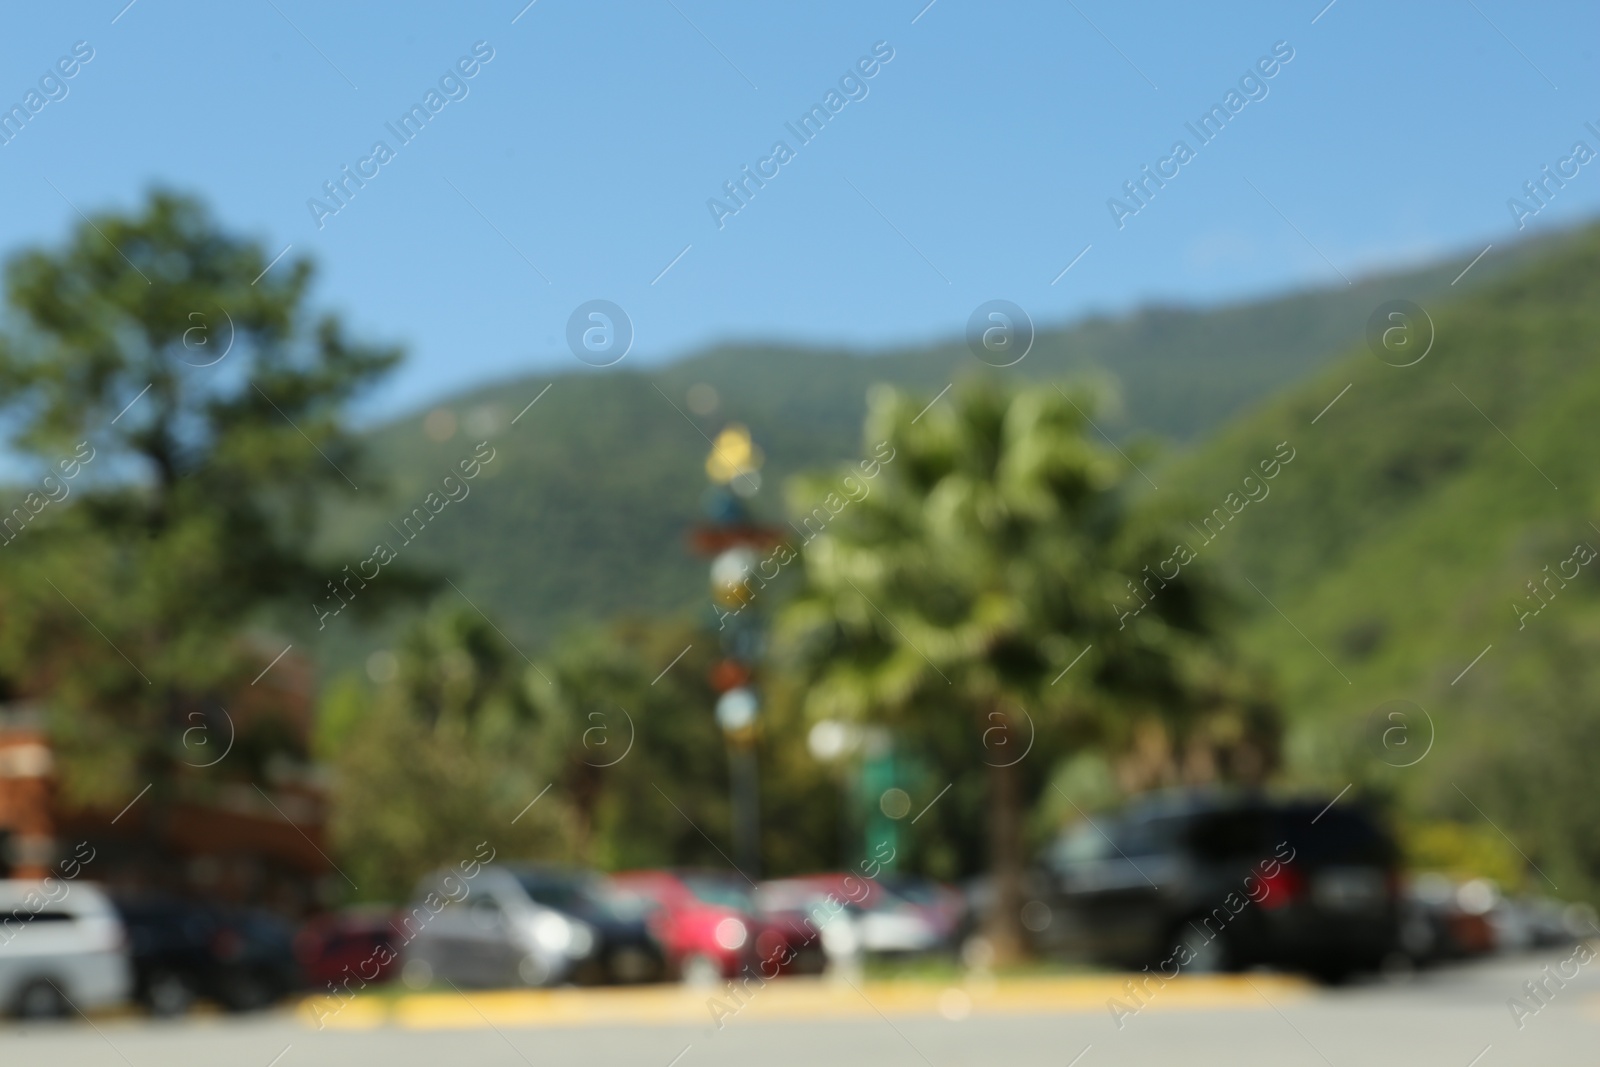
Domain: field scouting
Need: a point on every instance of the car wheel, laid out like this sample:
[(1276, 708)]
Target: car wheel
[(245, 991), (167, 995), (589, 972), (1333, 973), (417, 973), (41, 999), (810, 960), (630, 965), (535, 970)]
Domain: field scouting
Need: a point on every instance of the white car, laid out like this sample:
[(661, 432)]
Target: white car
[(62, 948), (487, 931)]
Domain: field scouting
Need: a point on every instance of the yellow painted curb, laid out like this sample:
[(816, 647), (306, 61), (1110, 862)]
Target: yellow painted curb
[(790, 998)]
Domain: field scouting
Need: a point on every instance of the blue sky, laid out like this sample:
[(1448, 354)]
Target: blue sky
[(977, 166)]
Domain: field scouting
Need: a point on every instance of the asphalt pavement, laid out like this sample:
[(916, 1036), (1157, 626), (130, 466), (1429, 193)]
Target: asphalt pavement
[(1455, 1017)]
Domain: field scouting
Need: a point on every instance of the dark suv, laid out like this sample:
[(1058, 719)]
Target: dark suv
[(1193, 882), (186, 949)]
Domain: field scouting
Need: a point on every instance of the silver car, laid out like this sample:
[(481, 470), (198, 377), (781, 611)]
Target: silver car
[(486, 931), (62, 947)]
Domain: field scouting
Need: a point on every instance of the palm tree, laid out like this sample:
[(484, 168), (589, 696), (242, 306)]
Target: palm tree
[(987, 547)]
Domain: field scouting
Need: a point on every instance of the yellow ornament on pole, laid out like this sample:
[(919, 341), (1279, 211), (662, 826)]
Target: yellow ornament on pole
[(735, 460)]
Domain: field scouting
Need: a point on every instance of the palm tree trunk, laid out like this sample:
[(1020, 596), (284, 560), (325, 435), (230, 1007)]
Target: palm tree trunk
[(1004, 921)]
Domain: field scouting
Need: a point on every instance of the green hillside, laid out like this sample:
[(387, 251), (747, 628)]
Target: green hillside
[(1400, 540), (582, 514)]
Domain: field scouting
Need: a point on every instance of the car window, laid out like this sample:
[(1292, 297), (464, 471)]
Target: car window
[(913, 892), (1232, 835), (583, 897), (560, 894), (632, 902), (613, 903), (1083, 844), (1145, 836), (1335, 836), (781, 897), (718, 891)]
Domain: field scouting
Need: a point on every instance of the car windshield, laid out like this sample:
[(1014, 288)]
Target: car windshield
[(920, 893), (719, 891), (581, 896), (788, 896), (554, 891)]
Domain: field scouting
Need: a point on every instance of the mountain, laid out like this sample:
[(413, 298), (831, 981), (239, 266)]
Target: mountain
[(1433, 541), (582, 513)]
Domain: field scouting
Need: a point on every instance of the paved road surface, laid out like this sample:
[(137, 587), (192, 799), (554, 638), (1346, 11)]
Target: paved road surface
[(1448, 1018)]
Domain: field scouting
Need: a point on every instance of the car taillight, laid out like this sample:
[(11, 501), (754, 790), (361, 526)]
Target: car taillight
[(1283, 888)]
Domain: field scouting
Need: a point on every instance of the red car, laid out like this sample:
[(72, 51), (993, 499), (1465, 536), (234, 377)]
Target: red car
[(707, 924), (357, 947)]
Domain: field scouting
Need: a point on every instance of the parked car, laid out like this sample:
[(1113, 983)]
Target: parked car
[(1434, 927), (1528, 922), (817, 929), (944, 906), (1548, 922), (490, 932), (1446, 920), (184, 950), (1236, 880), (707, 923), (356, 947), (853, 914), (62, 947), (626, 951)]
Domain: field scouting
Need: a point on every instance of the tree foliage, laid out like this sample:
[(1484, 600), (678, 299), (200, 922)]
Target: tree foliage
[(204, 406)]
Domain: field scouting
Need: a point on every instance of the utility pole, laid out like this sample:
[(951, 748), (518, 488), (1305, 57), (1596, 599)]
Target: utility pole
[(735, 544)]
